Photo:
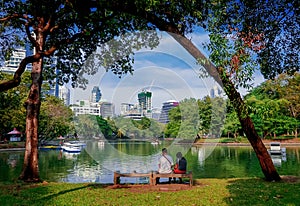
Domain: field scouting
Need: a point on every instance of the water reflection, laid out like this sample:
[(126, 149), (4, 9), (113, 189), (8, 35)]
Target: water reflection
[(99, 160), (13, 159)]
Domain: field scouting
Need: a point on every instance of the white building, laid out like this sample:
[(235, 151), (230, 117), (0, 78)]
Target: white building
[(126, 108), (102, 108), (107, 109), (12, 64), (64, 94), (84, 107), (86, 110)]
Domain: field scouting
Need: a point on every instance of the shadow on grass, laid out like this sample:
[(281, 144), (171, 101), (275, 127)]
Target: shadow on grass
[(62, 192), (39, 194), (261, 192)]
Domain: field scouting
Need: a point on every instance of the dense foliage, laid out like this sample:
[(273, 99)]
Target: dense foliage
[(12, 111), (197, 118), (265, 31), (275, 106), (55, 117)]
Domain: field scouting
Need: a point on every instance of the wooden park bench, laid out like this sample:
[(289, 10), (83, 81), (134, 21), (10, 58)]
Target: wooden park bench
[(188, 175), (152, 176), (118, 175)]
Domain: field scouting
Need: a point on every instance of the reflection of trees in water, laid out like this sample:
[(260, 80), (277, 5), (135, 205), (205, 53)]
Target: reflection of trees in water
[(97, 163), (10, 165)]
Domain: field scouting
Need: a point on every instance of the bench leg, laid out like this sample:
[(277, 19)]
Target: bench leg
[(116, 179)]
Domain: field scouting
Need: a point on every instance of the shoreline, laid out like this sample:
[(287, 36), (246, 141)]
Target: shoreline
[(296, 144), (197, 144)]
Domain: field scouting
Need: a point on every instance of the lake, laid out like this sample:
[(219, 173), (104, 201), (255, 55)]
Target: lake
[(98, 161)]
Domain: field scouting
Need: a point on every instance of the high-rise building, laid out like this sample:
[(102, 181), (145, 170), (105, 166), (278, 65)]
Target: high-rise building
[(64, 94), (145, 103), (107, 109), (96, 94), (156, 113), (167, 106), (12, 64)]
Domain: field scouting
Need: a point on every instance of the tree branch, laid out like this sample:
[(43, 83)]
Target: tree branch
[(50, 51), (4, 86), (12, 17), (30, 37)]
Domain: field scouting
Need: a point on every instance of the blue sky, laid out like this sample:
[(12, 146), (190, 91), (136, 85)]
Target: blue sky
[(168, 71)]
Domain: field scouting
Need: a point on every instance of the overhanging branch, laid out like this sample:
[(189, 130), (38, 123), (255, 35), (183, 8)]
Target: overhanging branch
[(6, 85)]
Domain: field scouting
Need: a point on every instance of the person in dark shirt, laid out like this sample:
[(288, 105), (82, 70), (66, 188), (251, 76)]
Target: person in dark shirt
[(180, 166)]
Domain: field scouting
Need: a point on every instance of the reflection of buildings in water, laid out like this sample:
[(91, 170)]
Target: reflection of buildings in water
[(278, 159), (89, 174), (201, 156), (101, 144), (277, 153), (200, 152), (203, 152), (194, 150), (70, 155)]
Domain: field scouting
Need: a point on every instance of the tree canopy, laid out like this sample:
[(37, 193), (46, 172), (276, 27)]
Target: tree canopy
[(269, 28), (72, 30)]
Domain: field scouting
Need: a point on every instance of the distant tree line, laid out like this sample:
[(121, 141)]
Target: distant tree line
[(274, 107)]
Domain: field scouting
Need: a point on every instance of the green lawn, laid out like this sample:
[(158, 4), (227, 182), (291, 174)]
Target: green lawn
[(206, 192)]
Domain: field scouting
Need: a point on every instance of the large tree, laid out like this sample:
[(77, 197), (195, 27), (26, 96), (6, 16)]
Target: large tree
[(68, 30), (239, 30), (59, 23)]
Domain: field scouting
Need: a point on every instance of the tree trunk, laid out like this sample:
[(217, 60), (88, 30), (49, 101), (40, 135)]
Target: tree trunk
[(261, 151), (262, 154), (30, 171)]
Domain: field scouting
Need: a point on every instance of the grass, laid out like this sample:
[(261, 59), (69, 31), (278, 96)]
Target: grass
[(250, 191)]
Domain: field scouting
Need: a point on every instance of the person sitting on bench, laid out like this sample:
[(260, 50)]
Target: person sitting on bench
[(180, 166), (165, 164)]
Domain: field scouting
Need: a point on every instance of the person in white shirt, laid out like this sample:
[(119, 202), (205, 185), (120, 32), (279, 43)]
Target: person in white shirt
[(165, 164)]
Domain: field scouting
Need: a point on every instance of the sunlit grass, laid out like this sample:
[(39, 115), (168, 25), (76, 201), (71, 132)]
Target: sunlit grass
[(250, 191)]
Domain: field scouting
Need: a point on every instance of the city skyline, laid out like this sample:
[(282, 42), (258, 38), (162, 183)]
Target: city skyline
[(168, 71)]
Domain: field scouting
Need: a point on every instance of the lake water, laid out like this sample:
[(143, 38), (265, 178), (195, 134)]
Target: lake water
[(98, 161)]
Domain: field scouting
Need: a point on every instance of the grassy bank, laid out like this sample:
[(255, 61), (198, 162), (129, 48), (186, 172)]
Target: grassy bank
[(206, 192)]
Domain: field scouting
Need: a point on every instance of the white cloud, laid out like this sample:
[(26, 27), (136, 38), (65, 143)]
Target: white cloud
[(169, 71)]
